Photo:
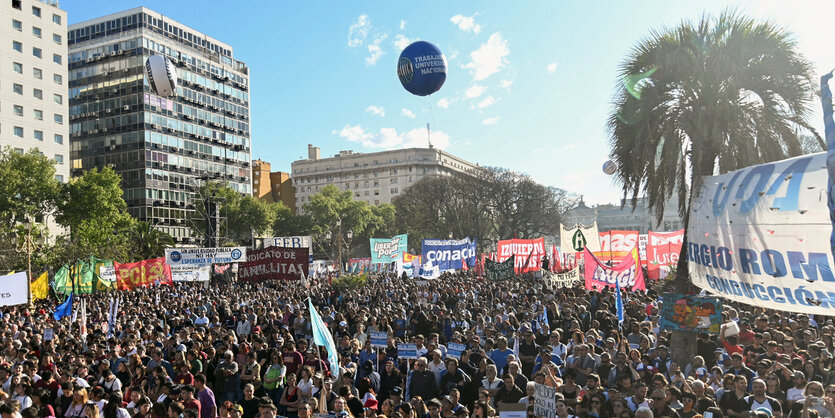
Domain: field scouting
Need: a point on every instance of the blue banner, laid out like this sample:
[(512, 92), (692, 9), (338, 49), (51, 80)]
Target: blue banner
[(449, 254), (388, 250)]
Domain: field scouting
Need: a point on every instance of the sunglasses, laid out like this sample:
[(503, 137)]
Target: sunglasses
[(657, 399)]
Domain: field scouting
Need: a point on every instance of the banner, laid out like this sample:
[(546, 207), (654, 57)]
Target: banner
[(545, 401), (407, 351), (388, 250), (690, 313), (363, 264), (15, 289), (40, 287), (143, 273), (408, 258), (760, 235), (204, 256), (616, 244), (104, 275), (528, 251), (449, 254), (275, 263), (77, 277), (302, 241), (627, 272), (578, 238), (429, 271), (454, 350), (499, 271), (561, 280), (378, 339), (663, 250), (191, 273)]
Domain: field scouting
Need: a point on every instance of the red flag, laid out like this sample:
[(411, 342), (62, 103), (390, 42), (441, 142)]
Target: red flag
[(464, 265)]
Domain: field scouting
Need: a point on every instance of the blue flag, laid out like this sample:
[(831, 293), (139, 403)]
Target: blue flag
[(322, 336), (618, 302), (829, 129), (64, 309)]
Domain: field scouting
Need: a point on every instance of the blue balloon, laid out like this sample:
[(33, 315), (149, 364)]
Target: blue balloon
[(422, 68)]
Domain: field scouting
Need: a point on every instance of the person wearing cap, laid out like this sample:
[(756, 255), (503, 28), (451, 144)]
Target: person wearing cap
[(795, 393), (370, 407)]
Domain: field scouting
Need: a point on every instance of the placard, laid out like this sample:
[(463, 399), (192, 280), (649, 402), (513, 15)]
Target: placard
[(48, 334), (690, 313), (204, 256), (379, 339), (407, 350), (545, 401), (15, 289), (455, 350)]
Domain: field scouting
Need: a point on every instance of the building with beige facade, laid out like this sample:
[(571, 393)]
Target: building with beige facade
[(376, 177), (272, 186), (621, 216), (33, 80)]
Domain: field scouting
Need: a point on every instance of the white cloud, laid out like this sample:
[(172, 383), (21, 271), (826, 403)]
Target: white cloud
[(377, 110), (358, 31), (552, 67), (505, 84), (402, 24), (489, 58), (407, 113), (444, 103), (474, 91), (487, 102), (490, 121), (466, 24), (388, 138), (401, 42), (374, 50)]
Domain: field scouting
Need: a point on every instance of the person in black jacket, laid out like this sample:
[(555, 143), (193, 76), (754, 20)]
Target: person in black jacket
[(423, 381), (453, 377), (509, 392), (389, 379)]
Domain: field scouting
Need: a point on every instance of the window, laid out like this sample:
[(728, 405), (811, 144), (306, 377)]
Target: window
[(59, 139), (17, 88), (59, 159), (36, 11), (56, 38), (56, 18), (37, 73), (58, 98), (16, 4), (18, 67), (37, 52), (16, 24), (18, 131), (38, 93), (39, 135), (59, 119), (17, 46), (36, 31), (38, 114), (18, 151), (18, 110), (60, 178), (57, 78), (56, 58)]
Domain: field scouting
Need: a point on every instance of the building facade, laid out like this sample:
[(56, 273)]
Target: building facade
[(376, 177), (272, 186), (163, 148), (622, 217), (33, 80)]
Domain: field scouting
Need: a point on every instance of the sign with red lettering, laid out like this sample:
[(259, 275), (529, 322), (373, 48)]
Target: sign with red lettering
[(662, 252), (528, 252), (274, 263), (143, 273), (614, 245)]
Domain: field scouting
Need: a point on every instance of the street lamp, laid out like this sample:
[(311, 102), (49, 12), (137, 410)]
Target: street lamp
[(339, 241), (28, 244)]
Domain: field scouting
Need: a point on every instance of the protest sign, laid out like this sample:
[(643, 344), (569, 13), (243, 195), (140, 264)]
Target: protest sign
[(545, 401), (527, 253), (561, 280), (627, 272), (15, 289), (302, 241), (690, 313), (275, 263), (615, 244), (407, 350), (760, 235), (388, 250), (191, 273), (448, 254), (143, 273), (663, 250), (577, 238), (204, 256), (499, 271), (454, 350), (379, 339)]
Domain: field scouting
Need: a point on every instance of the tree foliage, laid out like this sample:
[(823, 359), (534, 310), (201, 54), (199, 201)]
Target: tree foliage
[(148, 242), (28, 189)]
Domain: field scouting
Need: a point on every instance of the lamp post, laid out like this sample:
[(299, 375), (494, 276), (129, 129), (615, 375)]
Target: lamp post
[(28, 244), (339, 241)]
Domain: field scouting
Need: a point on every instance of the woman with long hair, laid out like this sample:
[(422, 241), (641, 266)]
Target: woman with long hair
[(113, 408), (79, 399), (480, 410), (42, 399), (143, 408), (562, 409), (290, 398), (274, 376), (123, 374), (772, 387), (305, 384), (91, 410), (23, 394)]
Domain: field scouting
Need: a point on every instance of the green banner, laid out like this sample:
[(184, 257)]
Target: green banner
[(84, 277), (499, 271)]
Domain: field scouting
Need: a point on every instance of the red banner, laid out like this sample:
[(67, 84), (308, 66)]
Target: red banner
[(614, 245), (274, 263), (143, 273), (528, 252), (627, 272), (663, 250)]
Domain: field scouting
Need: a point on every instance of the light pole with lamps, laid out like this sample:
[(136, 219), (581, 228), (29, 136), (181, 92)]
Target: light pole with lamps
[(28, 244), (340, 241)]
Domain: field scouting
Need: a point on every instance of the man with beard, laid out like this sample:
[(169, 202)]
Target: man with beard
[(760, 400)]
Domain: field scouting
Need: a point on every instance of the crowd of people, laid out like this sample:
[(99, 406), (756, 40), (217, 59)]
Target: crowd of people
[(201, 350)]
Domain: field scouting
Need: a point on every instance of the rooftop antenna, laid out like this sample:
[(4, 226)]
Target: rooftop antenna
[(429, 135)]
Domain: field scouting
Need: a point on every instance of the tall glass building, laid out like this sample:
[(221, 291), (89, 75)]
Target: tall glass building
[(164, 148)]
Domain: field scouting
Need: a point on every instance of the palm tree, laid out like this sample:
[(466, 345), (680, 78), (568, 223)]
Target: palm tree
[(707, 98), (148, 241)]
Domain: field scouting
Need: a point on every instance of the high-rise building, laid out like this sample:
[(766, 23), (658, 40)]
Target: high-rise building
[(33, 80), (272, 186), (164, 148), (376, 177)]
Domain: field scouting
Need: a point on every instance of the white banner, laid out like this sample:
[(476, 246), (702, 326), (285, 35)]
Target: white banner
[(760, 235), (303, 241), (560, 280), (191, 273), (575, 239), (204, 256), (14, 289)]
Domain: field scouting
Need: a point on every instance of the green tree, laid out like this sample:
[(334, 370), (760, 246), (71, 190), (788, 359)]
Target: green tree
[(704, 98), (288, 223), (93, 210), (240, 215), (330, 207), (28, 189), (148, 242)]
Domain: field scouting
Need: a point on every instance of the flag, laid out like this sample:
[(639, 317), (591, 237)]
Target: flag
[(322, 336), (83, 327), (40, 287), (829, 130), (464, 265), (618, 302), (64, 309)]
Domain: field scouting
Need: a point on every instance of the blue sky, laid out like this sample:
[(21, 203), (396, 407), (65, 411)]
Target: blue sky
[(529, 84)]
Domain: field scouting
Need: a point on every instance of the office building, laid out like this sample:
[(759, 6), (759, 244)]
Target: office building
[(164, 148), (375, 177), (272, 186), (33, 80)]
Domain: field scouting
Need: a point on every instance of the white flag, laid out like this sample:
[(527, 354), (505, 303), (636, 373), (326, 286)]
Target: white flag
[(579, 237)]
